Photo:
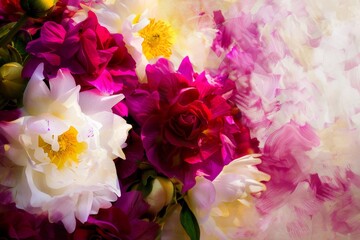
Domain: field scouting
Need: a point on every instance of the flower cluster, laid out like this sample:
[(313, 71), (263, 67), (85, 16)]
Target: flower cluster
[(157, 119), (111, 128)]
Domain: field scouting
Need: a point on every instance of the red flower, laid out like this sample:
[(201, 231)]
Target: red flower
[(187, 119), (10, 11), (188, 125)]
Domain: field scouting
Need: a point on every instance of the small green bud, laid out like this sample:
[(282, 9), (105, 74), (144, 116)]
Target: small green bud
[(37, 8), (12, 85)]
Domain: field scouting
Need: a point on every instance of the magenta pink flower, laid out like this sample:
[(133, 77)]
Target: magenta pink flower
[(241, 35), (285, 160), (95, 57), (189, 127), (345, 215)]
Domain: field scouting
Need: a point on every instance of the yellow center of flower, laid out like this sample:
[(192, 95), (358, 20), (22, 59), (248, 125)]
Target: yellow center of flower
[(158, 39), (136, 19), (69, 148)]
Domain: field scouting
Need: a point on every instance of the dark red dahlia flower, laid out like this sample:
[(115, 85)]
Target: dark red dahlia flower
[(188, 125)]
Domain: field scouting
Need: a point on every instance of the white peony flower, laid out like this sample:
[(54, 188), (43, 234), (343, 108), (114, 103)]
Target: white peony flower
[(63, 148), (231, 211), (158, 28), (224, 207)]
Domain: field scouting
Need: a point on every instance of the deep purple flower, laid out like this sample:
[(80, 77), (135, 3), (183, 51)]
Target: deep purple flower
[(9, 115), (128, 170), (19, 224), (122, 221), (189, 127)]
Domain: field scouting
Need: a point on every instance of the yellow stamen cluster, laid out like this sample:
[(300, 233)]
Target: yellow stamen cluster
[(69, 148), (158, 39)]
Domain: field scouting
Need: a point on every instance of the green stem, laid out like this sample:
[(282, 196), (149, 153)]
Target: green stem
[(4, 41)]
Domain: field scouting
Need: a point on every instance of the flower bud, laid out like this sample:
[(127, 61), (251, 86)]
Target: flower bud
[(37, 8), (12, 85), (161, 194)]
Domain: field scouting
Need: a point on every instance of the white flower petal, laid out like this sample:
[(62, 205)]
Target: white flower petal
[(203, 194), (38, 198), (91, 102), (62, 83), (233, 207), (114, 139), (61, 209), (12, 131), (36, 94), (84, 206)]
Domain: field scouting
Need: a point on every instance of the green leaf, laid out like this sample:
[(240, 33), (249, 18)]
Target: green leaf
[(4, 56), (14, 54), (4, 30), (9, 54), (189, 222), (21, 40)]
